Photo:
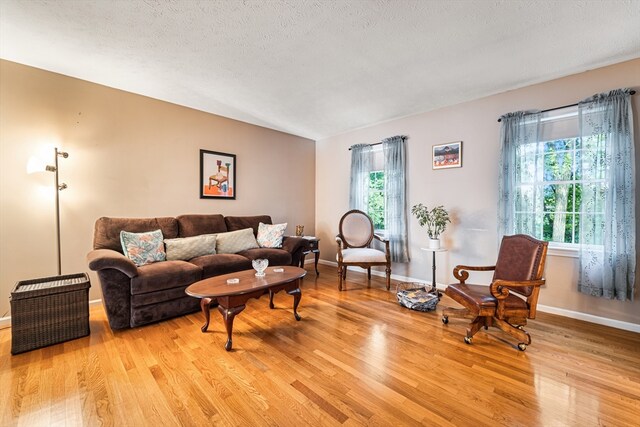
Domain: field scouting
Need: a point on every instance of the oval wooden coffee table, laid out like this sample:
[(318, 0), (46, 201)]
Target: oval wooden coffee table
[(231, 298)]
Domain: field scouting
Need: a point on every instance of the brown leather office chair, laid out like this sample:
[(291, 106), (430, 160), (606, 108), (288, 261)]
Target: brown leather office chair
[(512, 296), (355, 236)]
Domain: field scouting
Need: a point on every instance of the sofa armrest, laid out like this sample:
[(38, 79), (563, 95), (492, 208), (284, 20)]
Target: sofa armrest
[(296, 246), (292, 244), (101, 259)]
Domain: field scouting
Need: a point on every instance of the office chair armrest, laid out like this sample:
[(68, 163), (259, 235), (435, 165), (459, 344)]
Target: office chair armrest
[(461, 272), (500, 290)]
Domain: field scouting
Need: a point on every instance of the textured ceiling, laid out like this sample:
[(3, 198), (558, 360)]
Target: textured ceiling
[(318, 68)]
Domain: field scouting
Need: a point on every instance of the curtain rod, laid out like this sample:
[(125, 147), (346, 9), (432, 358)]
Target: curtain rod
[(633, 92), (404, 138), (370, 145)]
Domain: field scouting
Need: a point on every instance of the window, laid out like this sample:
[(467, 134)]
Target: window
[(554, 177), (376, 199)]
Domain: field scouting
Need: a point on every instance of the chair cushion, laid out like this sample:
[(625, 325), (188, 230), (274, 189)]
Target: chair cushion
[(164, 275), (480, 296), (213, 265), (363, 255)]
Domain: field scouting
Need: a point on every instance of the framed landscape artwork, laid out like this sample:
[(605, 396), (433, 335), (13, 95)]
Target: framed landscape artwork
[(217, 175), (447, 155)]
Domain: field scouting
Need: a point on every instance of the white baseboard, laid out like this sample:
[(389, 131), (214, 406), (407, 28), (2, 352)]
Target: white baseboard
[(379, 273), (5, 322), (618, 324)]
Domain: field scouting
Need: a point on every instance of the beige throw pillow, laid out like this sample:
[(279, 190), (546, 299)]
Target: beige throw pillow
[(190, 247), (233, 242)]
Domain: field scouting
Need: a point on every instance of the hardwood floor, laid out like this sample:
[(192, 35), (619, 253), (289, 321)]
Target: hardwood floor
[(356, 358)]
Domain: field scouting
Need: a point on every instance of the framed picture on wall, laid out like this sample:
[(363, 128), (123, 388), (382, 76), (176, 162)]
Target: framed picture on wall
[(217, 175), (447, 155)]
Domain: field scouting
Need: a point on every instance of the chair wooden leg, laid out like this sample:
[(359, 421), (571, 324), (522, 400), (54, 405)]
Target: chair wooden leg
[(388, 272), (520, 334), (344, 273), (369, 273), (340, 267), (475, 326)]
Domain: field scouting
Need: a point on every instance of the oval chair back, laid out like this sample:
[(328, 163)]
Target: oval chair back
[(356, 229)]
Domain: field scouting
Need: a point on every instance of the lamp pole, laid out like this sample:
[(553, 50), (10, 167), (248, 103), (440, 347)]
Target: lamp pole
[(59, 188)]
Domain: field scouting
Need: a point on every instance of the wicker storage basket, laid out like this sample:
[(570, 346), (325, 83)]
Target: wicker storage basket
[(48, 311), (416, 296)]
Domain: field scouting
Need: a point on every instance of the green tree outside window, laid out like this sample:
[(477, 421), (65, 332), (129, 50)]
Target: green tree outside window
[(376, 199)]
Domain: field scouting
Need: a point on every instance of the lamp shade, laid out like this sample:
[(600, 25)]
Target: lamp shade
[(36, 164)]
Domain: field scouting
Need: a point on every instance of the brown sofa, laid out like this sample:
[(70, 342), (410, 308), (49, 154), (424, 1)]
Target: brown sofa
[(134, 296)]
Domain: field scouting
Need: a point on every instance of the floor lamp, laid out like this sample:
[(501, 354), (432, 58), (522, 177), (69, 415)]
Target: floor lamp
[(36, 165)]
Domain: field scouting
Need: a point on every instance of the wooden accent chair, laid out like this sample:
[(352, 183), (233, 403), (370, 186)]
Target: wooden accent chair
[(219, 178), (355, 236), (517, 273)]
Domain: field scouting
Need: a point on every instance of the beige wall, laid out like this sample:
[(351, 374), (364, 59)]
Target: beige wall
[(128, 156), (470, 193)]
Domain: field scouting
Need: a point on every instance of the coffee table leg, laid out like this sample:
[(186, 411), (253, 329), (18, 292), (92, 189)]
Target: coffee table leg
[(271, 306), (204, 305), (228, 315), (297, 294)]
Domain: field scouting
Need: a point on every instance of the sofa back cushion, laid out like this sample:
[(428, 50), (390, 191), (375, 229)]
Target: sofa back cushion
[(233, 242), (235, 223), (107, 230), (195, 225), (186, 248)]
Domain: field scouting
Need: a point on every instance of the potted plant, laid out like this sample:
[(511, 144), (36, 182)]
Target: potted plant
[(435, 220)]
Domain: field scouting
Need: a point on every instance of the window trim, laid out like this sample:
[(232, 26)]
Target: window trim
[(568, 250)]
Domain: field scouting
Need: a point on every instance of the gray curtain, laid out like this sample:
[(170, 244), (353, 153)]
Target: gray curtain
[(395, 209), (520, 163), (361, 163), (607, 212)]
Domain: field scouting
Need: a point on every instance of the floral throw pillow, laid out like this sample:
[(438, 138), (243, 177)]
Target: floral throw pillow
[(143, 248), (270, 236)]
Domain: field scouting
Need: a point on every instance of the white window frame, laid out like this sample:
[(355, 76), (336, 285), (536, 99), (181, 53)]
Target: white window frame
[(563, 249)]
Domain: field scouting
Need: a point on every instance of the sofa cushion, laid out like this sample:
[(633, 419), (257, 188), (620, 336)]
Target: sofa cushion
[(214, 265), (163, 310), (164, 275), (107, 230), (190, 247), (275, 256), (241, 222), (270, 236), (233, 242), (143, 248), (157, 296), (195, 225)]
